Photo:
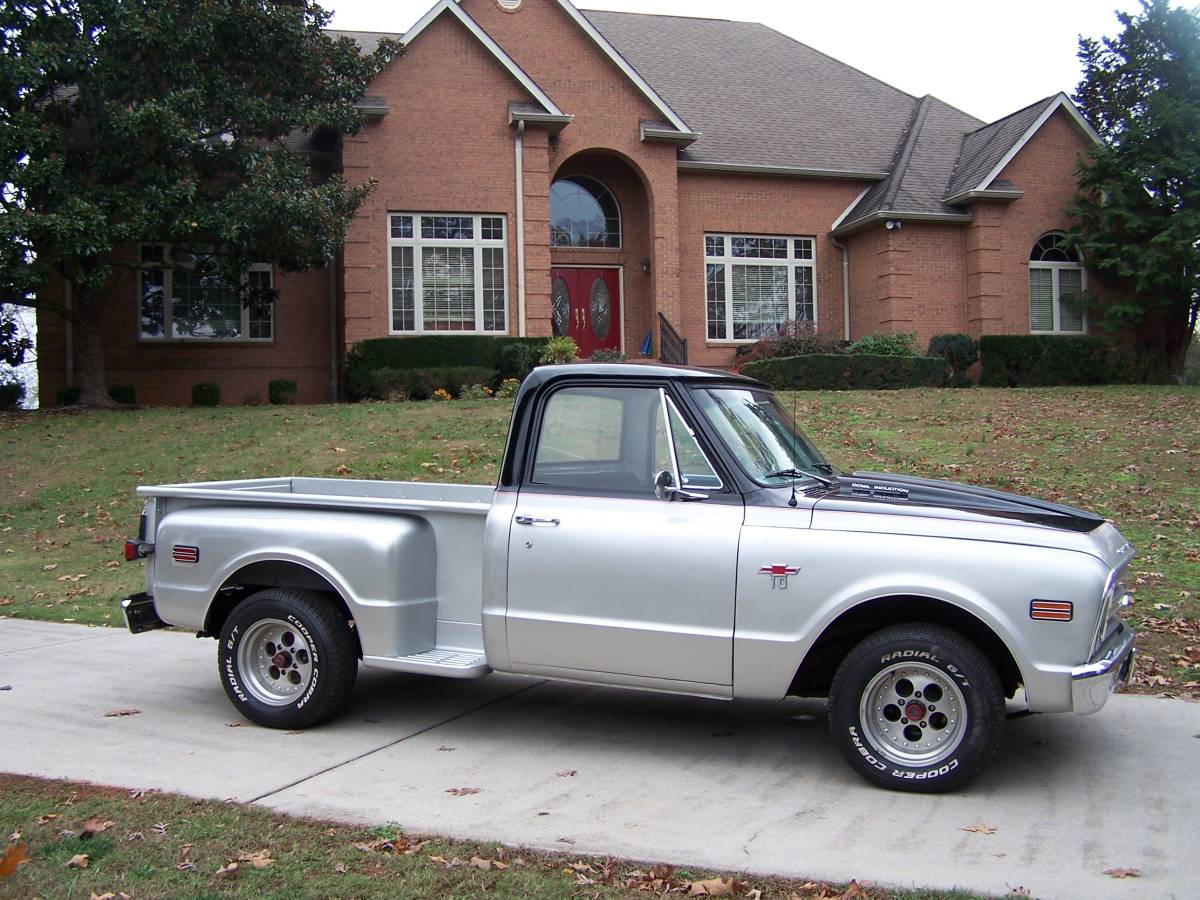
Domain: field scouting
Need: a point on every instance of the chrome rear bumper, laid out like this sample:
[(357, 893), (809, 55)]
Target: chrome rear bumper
[(1092, 682)]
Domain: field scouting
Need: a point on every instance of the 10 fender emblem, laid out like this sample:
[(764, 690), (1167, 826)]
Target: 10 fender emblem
[(779, 575)]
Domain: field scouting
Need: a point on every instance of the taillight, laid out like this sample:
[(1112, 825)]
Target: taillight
[(137, 550)]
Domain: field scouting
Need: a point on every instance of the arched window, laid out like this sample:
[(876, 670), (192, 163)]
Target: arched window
[(1055, 287), (583, 213)]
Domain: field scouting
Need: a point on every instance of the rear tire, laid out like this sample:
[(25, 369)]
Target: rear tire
[(287, 658), (916, 708)]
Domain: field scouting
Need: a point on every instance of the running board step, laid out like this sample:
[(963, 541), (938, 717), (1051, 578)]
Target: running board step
[(438, 661)]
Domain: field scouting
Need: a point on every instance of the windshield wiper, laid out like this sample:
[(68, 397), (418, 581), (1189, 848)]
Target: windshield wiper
[(801, 473), (824, 467)]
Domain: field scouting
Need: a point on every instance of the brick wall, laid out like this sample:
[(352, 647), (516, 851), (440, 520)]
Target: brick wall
[(163, 371), (753, 204), (1001, 235)]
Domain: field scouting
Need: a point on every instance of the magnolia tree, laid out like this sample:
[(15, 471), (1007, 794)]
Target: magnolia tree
[(1138, 207), (127, 121)]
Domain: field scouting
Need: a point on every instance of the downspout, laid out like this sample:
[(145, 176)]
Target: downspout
[(520, 229), (845, 283), (68, 337), (333, 331)]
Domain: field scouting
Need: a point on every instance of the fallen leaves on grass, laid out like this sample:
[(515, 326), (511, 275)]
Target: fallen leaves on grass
[(259, 860), (123, 711), (464, 791), (48, 817), (1123, 873), (711, 887), (980, 828), (78, 861), (227, 871), (135, 836), (12, 858), (93, 826), (399, 845), (111, 895), (161, 827), (342, 470), (487, 864)]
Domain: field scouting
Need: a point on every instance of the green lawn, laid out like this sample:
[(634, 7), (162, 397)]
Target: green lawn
[(147, 846), (1130, 453)]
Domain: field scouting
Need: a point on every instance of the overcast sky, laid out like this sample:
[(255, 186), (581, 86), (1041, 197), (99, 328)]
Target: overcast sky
[(988, 59)]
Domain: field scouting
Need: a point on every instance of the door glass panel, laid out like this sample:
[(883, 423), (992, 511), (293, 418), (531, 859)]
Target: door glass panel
[(600, 306), (560, 307), (597, 439)]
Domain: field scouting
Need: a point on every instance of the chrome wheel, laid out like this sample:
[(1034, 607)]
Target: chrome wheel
[(275, 661), (915, 714)]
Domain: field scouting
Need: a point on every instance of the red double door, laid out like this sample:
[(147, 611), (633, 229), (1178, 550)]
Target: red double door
[(585, 305)]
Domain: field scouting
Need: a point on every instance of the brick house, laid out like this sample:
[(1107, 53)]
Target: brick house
[(625, 178)]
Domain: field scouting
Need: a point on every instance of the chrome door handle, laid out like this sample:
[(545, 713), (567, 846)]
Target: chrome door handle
[(536, 520)]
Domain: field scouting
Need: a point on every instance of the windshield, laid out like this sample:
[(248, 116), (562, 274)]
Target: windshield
[(760, 434)]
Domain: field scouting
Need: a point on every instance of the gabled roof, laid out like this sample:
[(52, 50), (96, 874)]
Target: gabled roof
[(917, 177), (451, 7), (987, 150)]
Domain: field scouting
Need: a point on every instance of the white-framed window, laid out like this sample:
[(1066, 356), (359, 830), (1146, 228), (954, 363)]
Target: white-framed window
[(447, 273), (1056, 281), (178, 303), (755, 283)]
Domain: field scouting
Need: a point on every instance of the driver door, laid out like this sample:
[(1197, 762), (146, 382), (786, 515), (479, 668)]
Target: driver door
[(607, 581)]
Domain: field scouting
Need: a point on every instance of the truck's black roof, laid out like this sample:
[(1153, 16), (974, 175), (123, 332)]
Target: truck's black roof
[(543, 374)]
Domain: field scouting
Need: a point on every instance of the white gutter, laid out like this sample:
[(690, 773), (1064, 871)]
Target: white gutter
[(520, 229)]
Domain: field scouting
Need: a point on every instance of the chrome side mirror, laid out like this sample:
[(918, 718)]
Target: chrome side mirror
[(665, 489)]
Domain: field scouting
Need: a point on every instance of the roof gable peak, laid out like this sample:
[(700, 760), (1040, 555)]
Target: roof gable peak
[(451, 7)]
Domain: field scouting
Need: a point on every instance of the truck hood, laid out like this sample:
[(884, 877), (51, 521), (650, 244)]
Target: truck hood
[(892, 491)]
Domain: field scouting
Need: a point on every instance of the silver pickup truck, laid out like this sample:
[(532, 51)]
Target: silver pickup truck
[(665, 529)]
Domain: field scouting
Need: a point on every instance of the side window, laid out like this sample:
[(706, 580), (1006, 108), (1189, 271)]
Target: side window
[(694, 468), (595, 438)]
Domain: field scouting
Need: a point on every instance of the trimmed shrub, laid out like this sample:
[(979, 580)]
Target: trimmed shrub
[(608, 355), (960, 352), (887, 343), (1039, 360), (11, 395), (791, 339), (475, 392), (559, 350), (123, 393), (517, 360), (838, 372), (421, 384), (282, 391), (67, 396), (437, 351), (206, 394)]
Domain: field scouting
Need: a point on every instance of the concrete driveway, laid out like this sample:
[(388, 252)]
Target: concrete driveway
[(754, 787)]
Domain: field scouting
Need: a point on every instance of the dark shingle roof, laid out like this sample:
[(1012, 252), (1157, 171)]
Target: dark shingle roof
[(758, 97), (986, 146), (367, 40), (924, 161)]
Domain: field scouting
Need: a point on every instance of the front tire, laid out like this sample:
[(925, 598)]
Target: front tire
[(916, 708), (287, 658)]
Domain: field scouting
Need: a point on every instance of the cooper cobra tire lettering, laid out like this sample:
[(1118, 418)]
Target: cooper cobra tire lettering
[(332, 650), (889, 758)]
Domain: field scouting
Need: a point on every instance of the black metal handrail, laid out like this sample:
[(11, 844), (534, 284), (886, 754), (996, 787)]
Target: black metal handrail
[(672, 349)]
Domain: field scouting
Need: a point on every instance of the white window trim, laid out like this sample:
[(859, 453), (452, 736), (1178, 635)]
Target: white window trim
[(476, 243), (1056, 306), (730, 261), (168, 325)]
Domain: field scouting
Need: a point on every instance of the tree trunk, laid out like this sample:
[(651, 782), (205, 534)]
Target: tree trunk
[(89, 354)]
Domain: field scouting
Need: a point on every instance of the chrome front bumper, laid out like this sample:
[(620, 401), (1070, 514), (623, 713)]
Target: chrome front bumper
[(1092, 682)]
